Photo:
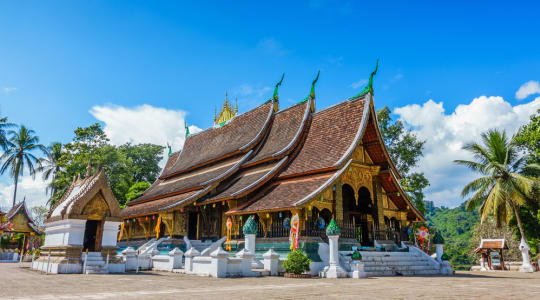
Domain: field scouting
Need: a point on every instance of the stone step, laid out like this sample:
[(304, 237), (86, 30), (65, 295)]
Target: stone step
[(404, 273), (96, 270), (399, 268), (391, 259), (397, 264)]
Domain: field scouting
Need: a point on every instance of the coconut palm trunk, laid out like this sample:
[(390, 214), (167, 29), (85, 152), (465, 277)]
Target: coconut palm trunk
[(523, 245), (16, 179)]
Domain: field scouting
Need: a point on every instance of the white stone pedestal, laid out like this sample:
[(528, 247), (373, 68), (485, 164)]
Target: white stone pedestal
[(189, 255), (357, 270), (334, 270), (271, 262), (526, 264), (249, 240), (446, 268), (439, 250)]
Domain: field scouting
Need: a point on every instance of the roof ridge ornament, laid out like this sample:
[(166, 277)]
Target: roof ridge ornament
[(312, 91), (369, 87), (226, 114), (170, 149), (186, 128), (275, 96)]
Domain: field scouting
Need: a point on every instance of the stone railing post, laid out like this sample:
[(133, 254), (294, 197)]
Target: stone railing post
[(247, 259), (439, 242), (175, 259), (219, 263), (334, 270), (271, 262), (130, 258), (190, 254)]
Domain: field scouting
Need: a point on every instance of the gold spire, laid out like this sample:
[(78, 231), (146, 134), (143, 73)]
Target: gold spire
[(227, 112)]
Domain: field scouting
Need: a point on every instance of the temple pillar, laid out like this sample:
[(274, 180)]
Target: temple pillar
[(338, 201), (378, 199)]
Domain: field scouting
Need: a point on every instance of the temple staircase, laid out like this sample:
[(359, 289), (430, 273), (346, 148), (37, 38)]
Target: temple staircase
[(95, 264), (398, 263), (200, 245)]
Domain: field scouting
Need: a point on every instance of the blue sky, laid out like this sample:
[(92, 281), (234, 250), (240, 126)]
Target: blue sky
[(65, 64)]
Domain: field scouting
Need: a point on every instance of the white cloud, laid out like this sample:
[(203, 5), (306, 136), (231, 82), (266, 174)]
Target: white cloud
[(528, 88), (446, 134), (143, 124), (359, 83), (8, 89), (398, 76), (33, 190)]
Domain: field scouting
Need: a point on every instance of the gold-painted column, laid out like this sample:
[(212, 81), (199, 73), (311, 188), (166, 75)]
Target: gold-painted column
[(338, 200)]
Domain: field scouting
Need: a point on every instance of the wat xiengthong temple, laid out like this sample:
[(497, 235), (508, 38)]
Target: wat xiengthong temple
[(273, 163)]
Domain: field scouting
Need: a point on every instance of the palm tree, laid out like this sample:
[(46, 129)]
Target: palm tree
[(4, 124), (501, 189), (50, 167), (18, 155)]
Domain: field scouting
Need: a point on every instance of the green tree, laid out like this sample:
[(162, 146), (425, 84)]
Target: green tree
[(50, 166), (528, 140), (405, 149), (136, 190), (124, 165), (4, 126), (502, 189), (145, 158), (39, 214), (18, 155)]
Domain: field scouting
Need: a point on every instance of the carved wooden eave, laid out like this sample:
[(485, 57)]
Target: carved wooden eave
[(90, 198)]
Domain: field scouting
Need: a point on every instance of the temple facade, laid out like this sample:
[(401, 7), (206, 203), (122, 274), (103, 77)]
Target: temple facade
[(274, 164)]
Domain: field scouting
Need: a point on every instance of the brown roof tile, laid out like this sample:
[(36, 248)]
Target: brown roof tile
[(331, 133), (284, 133), (195, 179), (155, 205), (284, 194), (246, 181), (241, 134)]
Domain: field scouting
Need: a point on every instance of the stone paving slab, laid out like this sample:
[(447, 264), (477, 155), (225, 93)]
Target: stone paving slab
[(22, 283)]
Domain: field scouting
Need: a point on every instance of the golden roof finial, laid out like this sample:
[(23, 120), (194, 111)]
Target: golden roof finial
[(227, 112)]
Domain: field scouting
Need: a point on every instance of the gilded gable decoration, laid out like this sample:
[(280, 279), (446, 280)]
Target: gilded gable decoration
[(227, 112)]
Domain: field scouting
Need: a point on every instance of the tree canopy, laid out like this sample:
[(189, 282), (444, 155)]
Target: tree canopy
[(124, 165)]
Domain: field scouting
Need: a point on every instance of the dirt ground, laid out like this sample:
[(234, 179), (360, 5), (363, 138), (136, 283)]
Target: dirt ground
[(21, 283)]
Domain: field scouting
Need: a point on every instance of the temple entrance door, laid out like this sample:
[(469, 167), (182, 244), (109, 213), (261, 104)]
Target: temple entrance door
[(192, 226), (91, 235)]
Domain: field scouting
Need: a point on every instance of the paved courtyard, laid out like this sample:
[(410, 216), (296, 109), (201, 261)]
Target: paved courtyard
[(22, 283)]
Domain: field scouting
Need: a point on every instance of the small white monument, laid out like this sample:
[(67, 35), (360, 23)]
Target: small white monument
[(81, 229), (334, 270)]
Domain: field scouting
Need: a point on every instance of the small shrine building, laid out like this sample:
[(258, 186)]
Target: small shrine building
[(274, 163), (18, 220), (85, 219)]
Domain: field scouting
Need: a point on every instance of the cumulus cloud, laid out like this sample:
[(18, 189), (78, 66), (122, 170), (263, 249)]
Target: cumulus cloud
[(447, 133), (143, 124), (528, 88), (359, 83), (33, 190)]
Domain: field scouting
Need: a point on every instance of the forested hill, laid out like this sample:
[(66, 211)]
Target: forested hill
[(456, 226)]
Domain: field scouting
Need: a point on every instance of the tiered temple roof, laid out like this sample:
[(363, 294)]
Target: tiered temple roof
[(271, 160)]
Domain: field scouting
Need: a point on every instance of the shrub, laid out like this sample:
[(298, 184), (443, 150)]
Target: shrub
[(297, 262)]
